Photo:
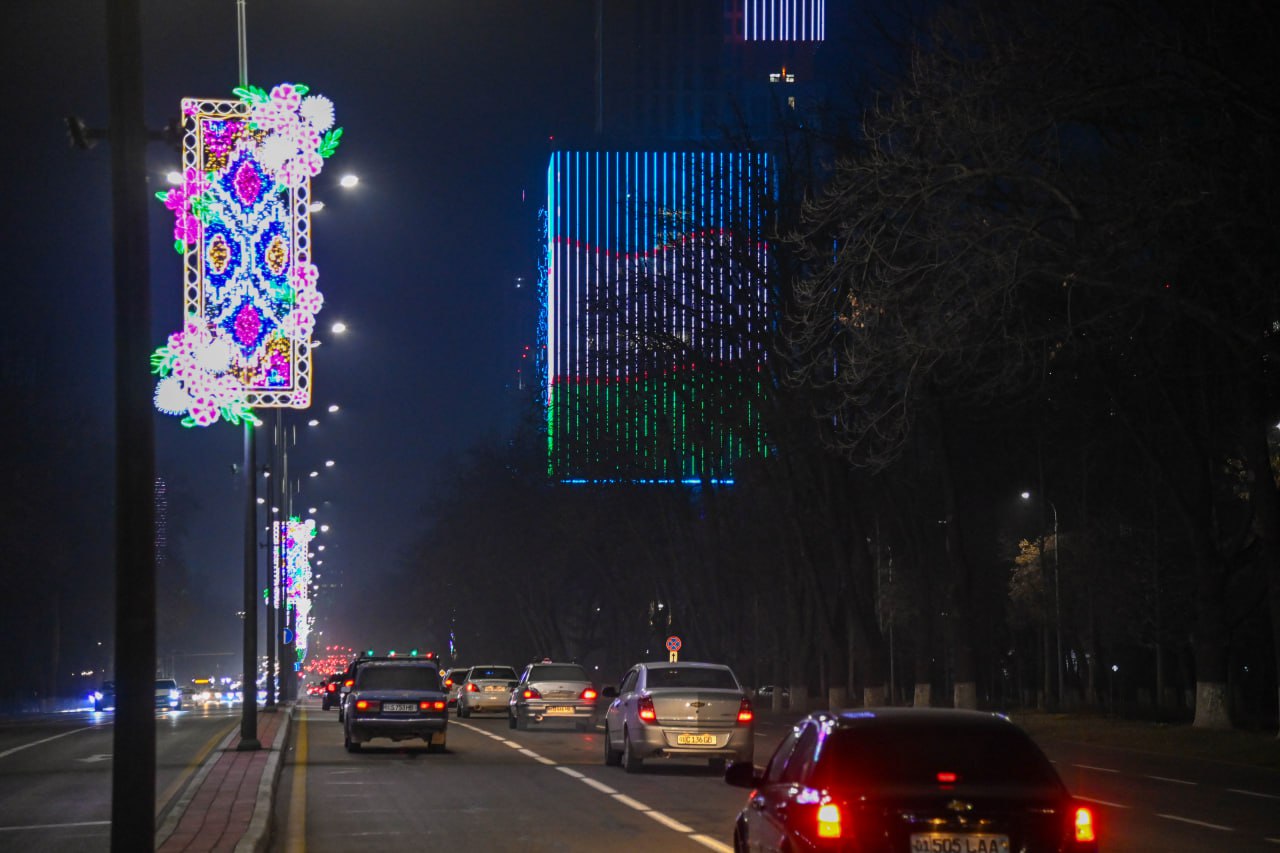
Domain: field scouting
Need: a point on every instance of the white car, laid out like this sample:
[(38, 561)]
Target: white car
[(486, 688), (678, 710)]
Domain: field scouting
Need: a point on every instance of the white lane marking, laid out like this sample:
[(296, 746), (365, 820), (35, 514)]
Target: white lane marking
[(599, 786), (1174, 781), (55, 825), (665, 820), (1272, 840), (708, 841), (1102, 802), (101, 756), (9, 752), (1253, 793), (1092, 767), (1196, 822), (669, 822), (635, 804)]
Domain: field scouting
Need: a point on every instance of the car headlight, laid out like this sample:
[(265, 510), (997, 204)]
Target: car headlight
[(97, 695)]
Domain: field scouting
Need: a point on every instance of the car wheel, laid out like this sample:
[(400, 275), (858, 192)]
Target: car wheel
[(463, 712), (631, 762), (612, 757), (739, 845), (351, 745), (522, 721), (511, 719), (717, 765), (435, 747)]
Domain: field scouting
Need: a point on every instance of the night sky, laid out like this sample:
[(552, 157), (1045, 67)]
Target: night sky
[(447, 110)]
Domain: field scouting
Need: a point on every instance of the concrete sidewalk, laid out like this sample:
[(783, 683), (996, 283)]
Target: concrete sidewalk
[(227, 805)]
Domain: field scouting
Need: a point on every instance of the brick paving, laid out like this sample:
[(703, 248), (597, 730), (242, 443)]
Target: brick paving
[(217, 811)]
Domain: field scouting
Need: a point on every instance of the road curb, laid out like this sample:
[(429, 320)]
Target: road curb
[(259, 832), (174, 815)]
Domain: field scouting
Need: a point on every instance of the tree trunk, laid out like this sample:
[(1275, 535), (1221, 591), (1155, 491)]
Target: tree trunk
[(1266, 507)]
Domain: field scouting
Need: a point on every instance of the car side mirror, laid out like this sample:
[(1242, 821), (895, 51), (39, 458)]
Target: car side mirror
[(609, 692), (742, 774)]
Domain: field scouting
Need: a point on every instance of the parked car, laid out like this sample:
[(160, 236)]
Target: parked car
[(485, 688), (909, 779), (453, 679), (550, 691), (400, 700), (678, 710), (764, 695)]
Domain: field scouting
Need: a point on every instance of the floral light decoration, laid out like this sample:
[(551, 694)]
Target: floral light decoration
[(242, 224), (297, 579)]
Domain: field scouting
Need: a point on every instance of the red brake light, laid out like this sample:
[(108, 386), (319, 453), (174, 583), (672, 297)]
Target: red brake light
[(828, 820), (588, 694), (448, 682), (368, 705), (425, 705), (471, 687), (947, 778), (644, 707), (1084, 825), (349, 683), (332, 686), (531, 693), (745, 714)]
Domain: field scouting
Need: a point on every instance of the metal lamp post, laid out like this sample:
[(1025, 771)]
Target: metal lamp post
[(1057, 604)]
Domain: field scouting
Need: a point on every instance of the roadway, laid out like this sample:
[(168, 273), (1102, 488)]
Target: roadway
[(55, 773), (548, 790)]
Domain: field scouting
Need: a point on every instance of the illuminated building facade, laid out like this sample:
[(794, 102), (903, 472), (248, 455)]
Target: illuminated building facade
[(654, 299), (653, 286)]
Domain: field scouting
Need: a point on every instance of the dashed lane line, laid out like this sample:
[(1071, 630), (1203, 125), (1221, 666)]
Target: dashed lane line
[(1174, 781), (1102, 802), (662, 818), (9, 752), (1253, 793), (54, 825), (1179, 819), (1093, 767)]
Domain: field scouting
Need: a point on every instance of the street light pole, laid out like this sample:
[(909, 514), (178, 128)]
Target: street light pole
[(1057, 605)]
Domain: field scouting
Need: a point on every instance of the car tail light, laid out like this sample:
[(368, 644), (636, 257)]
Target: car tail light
[(350, 682), (947, 778), (430, 706), (531, 693), (448, 682), (332, 686), (745, 714), (588, 694), (644, 707), (828, 820), (471, 687), (368, 705), (1084, 825)]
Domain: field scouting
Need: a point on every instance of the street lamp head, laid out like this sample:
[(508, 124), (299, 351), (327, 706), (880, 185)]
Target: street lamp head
[(338, 327), (313, 422), (349, 181), (333, 408), (1026, 496)]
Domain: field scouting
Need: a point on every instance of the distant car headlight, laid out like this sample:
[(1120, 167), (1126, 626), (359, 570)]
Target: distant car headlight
[(97, 694)]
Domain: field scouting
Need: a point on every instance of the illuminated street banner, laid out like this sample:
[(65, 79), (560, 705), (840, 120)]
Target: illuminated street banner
[(654, 300), (784, 20), (297, 579), (242, 224)]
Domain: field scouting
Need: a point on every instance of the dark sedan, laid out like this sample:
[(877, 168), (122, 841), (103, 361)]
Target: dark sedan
[(909, 781), (401, 700)]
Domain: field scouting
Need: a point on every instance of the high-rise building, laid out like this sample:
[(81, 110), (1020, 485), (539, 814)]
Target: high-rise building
[(654, 278)]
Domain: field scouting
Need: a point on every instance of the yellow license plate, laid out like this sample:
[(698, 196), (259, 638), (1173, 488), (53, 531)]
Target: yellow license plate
[(954, 842), (560, 709), (696, 740)]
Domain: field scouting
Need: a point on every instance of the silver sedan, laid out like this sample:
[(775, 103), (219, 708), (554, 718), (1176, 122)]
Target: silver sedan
[(678, 710), (486, 688)]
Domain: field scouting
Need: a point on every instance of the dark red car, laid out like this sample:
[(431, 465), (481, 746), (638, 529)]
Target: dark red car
[(903, 780)]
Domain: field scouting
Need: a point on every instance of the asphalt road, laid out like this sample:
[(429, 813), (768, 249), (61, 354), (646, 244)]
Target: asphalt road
[(548, 790), (55, 773)]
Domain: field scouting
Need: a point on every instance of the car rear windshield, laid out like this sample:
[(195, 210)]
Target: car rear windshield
[(399, 678), (915, 755), (558, 672), (713, 678), (500, 673), (166, 684)]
